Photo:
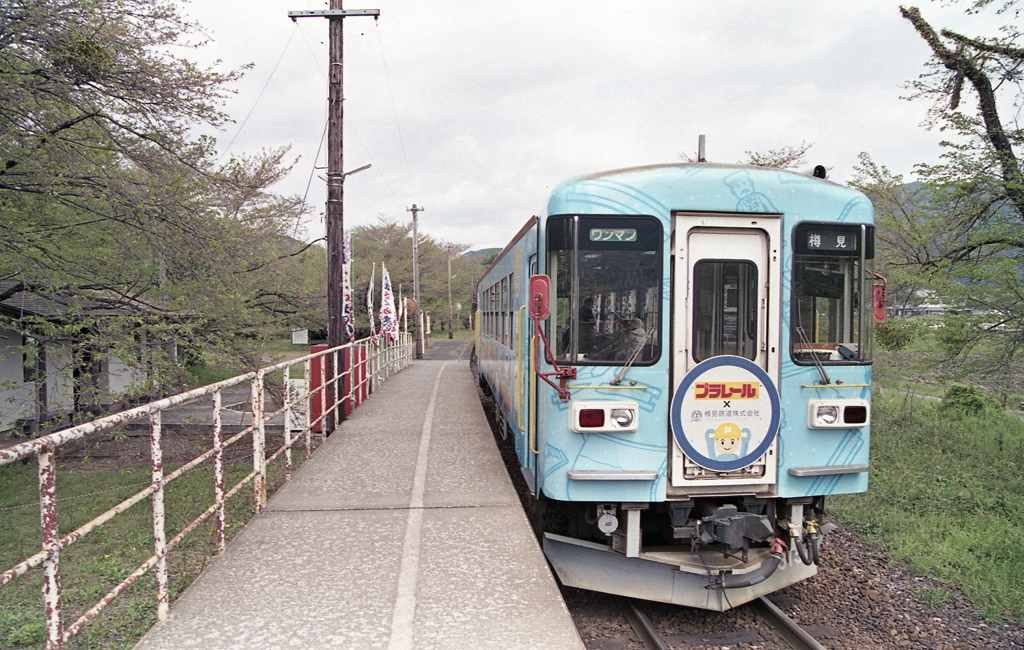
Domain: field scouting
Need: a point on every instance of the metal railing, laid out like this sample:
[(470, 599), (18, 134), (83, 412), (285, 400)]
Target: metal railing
[(367, 367)]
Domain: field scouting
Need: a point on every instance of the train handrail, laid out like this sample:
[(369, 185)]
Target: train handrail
[(519, 369), (564, 374)]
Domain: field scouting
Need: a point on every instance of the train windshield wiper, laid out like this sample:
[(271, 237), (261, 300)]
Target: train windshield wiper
[(629, 362), (825, 381)]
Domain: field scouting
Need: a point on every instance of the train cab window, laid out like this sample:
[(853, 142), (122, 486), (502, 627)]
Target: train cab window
[(502, 310), (725, 309), (830, 321), (607, 276)]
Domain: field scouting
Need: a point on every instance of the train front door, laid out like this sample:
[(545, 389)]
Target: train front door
[(726, 349)]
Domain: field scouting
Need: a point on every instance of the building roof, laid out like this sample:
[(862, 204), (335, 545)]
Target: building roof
[(17, 301)]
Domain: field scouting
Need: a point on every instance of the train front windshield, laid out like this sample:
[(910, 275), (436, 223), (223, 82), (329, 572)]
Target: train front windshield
[(607, 274), (830, 321)]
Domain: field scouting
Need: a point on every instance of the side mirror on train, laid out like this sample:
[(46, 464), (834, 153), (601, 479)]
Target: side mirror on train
[(878, 300), (540, 297)]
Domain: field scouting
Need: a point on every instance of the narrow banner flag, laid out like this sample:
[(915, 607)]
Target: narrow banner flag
[(388, 314), (347, 307), (369, 305)]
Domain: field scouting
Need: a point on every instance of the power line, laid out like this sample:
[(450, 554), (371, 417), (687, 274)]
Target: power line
[(394, 108), (260, 96)]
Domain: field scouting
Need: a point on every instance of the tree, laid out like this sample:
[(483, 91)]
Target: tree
[(92, 101), (784, 158), (109, 204), (960, 231), (389, 242)]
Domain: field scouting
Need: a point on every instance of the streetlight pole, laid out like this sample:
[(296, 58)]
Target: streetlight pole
[(335, 189), (449, 295), (418, 321)]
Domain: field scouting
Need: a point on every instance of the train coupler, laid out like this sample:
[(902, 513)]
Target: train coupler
[(735, 530)]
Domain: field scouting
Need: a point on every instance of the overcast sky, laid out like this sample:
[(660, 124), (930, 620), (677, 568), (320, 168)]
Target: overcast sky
[(476, 108)]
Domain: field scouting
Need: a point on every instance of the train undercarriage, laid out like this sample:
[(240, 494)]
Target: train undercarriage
[(710, 553)]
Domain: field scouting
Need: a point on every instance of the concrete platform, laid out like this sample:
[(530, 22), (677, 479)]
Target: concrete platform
[(403, 531)]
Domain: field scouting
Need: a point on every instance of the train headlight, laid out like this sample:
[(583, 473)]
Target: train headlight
[(826, 415), (603, 417), (623, 417), (837, 413)]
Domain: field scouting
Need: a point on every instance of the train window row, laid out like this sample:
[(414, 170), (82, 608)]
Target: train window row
[(497, 306)]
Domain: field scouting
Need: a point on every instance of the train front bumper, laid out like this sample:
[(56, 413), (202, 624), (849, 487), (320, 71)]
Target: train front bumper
[(668, 576)]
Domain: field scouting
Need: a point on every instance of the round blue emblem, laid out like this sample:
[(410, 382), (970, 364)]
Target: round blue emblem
[(732, 413)]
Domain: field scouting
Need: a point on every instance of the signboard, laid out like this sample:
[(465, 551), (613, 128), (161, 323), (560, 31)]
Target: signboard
[(613, 234), (725, 413), (827, 239)]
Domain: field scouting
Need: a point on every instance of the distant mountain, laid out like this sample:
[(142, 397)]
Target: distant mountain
[(483, 252)]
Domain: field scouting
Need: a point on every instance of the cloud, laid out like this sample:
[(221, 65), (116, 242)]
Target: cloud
[(475, 109)]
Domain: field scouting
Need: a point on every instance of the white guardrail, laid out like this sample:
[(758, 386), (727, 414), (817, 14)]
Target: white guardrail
[(367, 367)]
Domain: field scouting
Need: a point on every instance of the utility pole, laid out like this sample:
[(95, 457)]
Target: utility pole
[(449, 294), (418, 321), (335, 186)]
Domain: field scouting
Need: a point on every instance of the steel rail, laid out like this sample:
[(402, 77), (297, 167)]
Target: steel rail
[(795, 636), (643, 627)]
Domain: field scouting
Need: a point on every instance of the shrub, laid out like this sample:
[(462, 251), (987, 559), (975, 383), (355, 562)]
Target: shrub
[(894, 335), (968, 400)]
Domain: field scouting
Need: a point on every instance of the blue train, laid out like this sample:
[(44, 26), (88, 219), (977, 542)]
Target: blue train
[(682, 355)]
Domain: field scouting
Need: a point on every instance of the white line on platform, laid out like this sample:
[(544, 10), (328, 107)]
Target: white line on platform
[(408, 573)]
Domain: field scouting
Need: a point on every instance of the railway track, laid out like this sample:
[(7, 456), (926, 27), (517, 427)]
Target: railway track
[(791, 633)]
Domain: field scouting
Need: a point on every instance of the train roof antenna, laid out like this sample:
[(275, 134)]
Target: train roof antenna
[(701, 157)]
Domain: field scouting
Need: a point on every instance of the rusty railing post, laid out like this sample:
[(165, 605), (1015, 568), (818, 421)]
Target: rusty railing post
[(51, 539), (289, 413), (323, 397), (218, 473), (156, 455), (306, 372), (259, 456)]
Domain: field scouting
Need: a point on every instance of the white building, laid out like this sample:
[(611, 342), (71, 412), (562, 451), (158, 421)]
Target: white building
[(40, 380)]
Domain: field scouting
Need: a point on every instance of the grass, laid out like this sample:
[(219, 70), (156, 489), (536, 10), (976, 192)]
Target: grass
[(203, 375), (273, 350), (947, 496), (458, 335), (91, 567)]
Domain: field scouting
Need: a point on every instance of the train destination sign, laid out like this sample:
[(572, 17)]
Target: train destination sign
[(725, 413), (613, 234), (815, 239)]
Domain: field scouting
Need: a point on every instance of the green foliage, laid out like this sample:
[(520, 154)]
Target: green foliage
[(957, 232), (24, 629), (139, 241), (784, 158), (895, 335), (389, 242), (968, 400), (947, 496), (936, 597)]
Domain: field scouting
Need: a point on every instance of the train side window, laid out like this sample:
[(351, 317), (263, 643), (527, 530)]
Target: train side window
[(503, 335), (490, 311), (510, 315), (725, 309)]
